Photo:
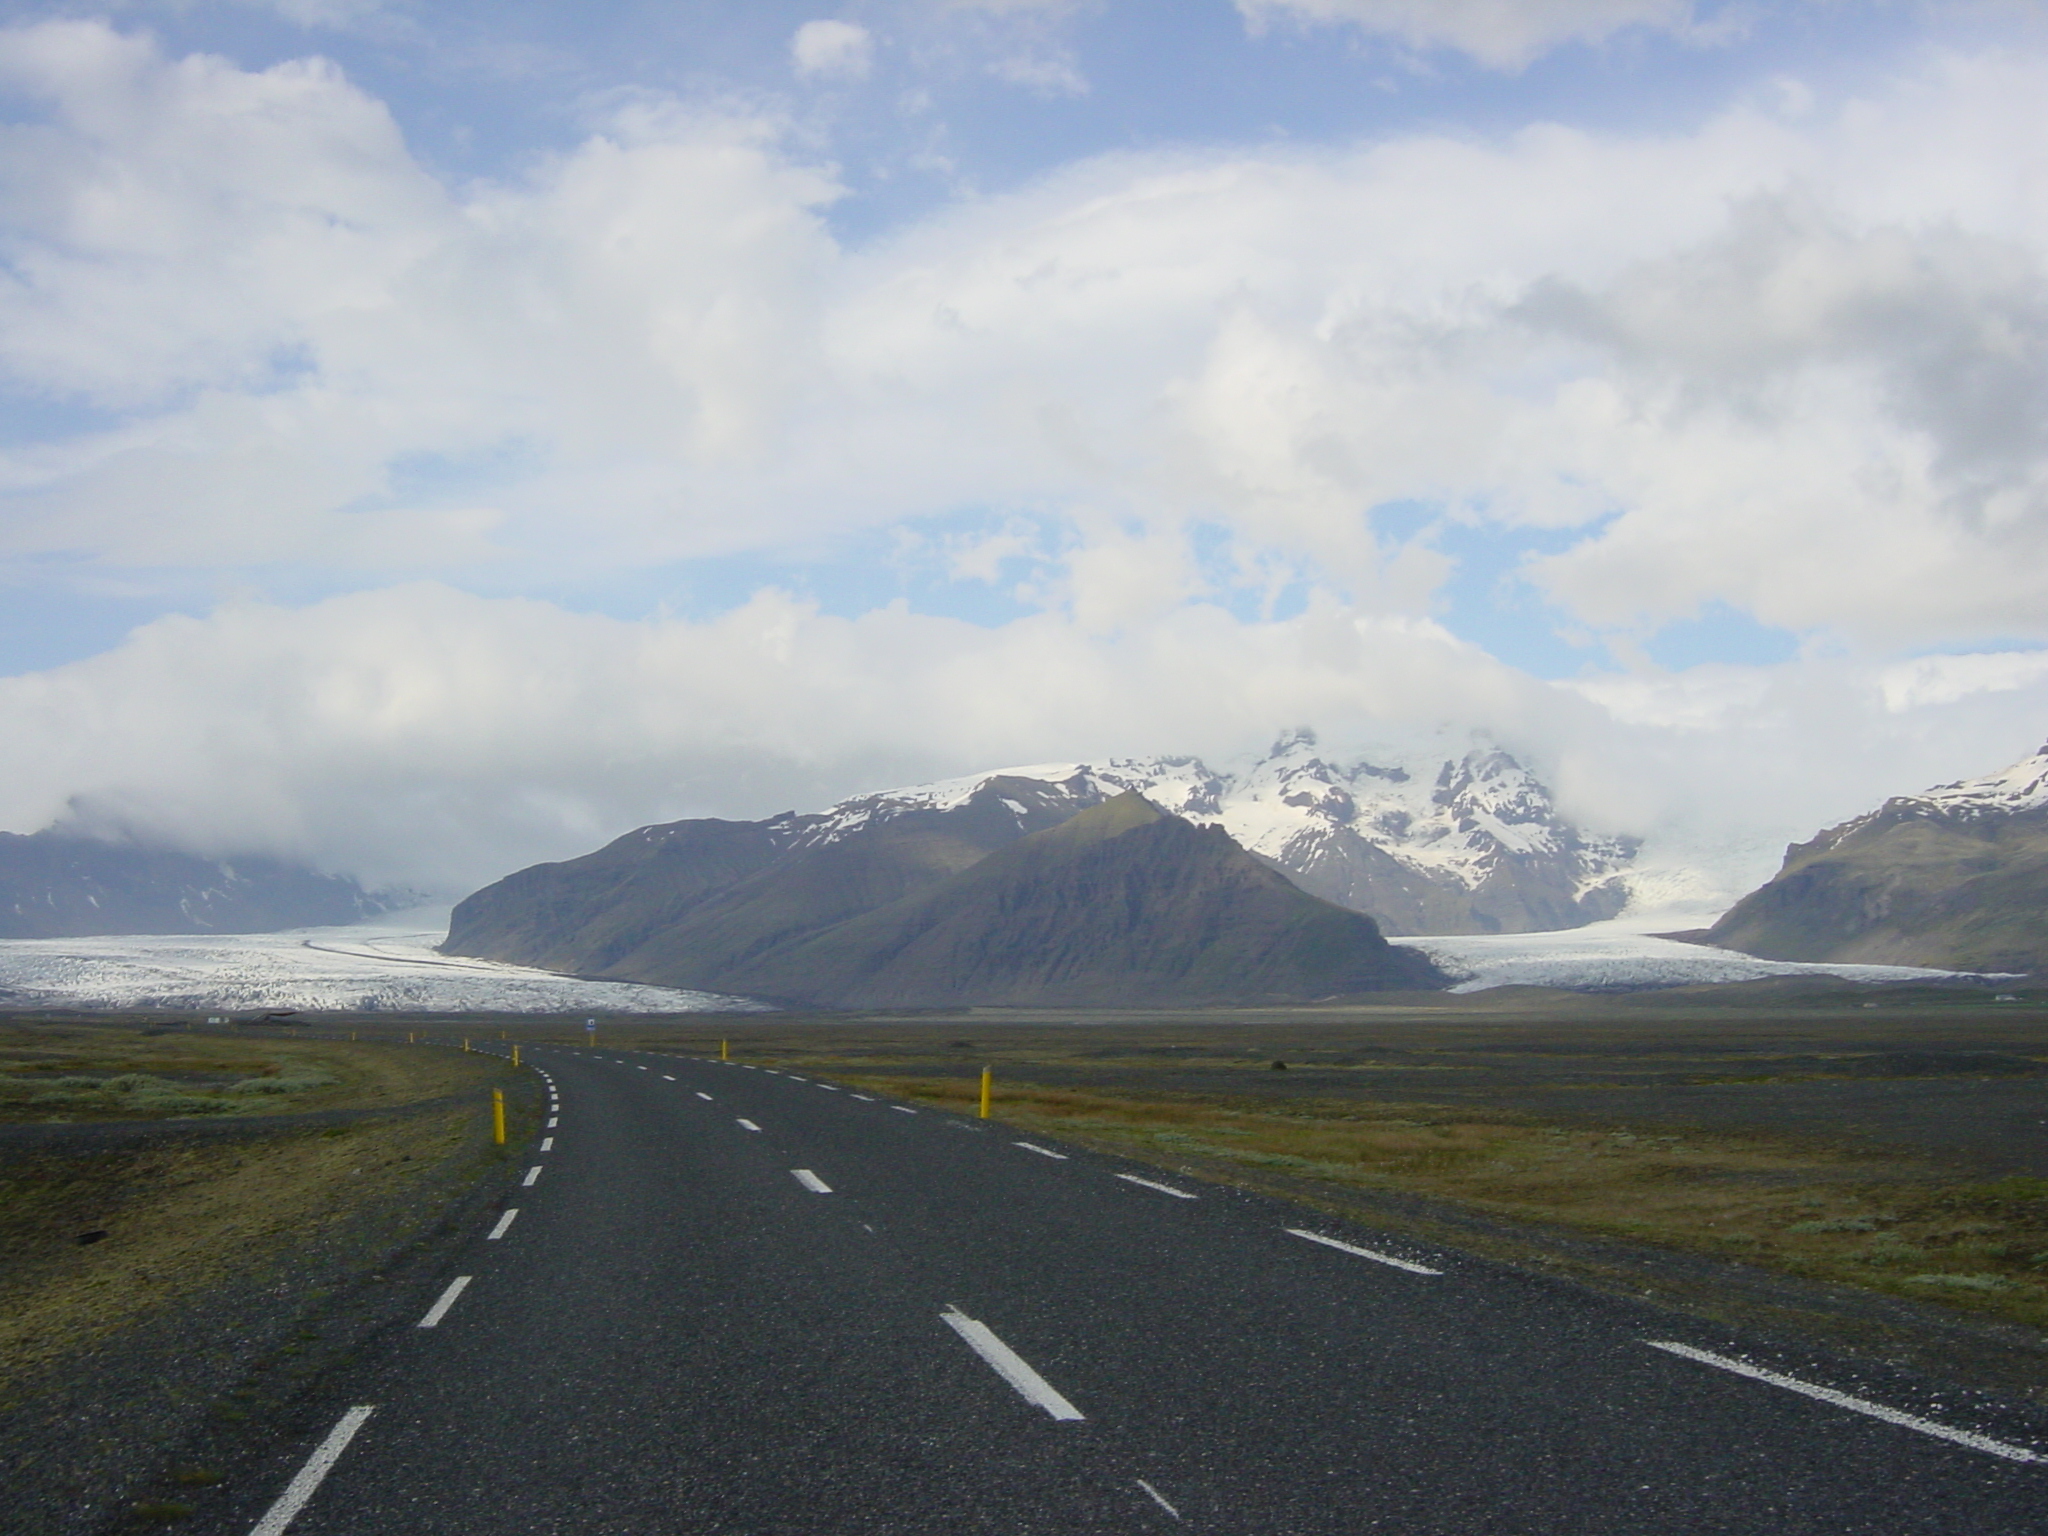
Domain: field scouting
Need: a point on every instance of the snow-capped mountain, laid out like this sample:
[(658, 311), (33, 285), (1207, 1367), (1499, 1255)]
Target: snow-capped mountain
[(2022, 787), (1956, 876), (1468, 844)]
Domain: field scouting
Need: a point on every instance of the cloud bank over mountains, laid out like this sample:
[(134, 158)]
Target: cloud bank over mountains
[(1196, 443)]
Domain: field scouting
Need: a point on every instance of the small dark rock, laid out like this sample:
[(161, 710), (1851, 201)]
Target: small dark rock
[(1279, 1066), (84, 1239)]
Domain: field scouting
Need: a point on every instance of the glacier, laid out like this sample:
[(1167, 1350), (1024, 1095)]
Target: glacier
[(390, 965), (1619, 957), (387, 965)]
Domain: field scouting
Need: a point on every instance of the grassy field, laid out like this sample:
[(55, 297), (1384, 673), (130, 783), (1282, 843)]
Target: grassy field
[(1901, 1150), (82, 1072), (1896, 1223), (95, 1236)]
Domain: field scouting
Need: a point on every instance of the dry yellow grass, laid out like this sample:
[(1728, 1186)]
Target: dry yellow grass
[(1882, 1222)]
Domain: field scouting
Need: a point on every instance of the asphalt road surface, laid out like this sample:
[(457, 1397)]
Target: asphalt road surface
[(739, 1301)]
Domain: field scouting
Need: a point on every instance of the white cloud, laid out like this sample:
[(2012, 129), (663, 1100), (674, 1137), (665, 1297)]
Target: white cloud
[(1934, 680), (1789, 363), (424, 735), (832, 50), (1501, 34), (1741, 340)]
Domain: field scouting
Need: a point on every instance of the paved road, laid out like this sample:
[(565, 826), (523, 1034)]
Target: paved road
[(740, 1301)]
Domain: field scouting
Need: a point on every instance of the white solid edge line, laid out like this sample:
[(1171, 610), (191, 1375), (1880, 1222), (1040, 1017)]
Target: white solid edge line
[(1164, 1189), (1364, 1253), (1030, 1146), (811, 1181), (440, 1308), (750, 1125), (1975, 1442), (1007, 1364), (1158, 1498), (504, 1221), (532, 1177), (313, 1473)]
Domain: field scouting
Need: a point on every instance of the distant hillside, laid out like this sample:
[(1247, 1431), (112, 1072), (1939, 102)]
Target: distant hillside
[(702, 897), (1956, 877), (1118, 905), (56, 885), (1470, 844)]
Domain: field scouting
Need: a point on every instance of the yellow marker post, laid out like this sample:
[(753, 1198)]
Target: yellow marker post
[(515, 1055), (498, 1116), (465, 1042), (723, 1053), (411, 1038), (987, 1077)]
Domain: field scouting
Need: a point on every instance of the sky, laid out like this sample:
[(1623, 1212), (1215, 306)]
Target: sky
[(440, 436)]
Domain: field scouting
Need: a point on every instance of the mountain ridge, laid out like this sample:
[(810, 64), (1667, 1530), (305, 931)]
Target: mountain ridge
[(1007, 898), (1462, 844), (1955, 877), (56, 884)]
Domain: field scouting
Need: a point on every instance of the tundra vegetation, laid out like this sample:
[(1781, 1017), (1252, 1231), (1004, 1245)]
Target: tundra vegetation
[(1896, 1150), (101, 1231)]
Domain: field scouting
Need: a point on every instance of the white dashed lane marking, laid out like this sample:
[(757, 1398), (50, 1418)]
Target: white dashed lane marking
[(504, 1221), (1164, 1189), (748, 1125), (532, 1176), (547, 1143), (1974, 1441), (1029, 1146), (705, 1096), (1158, 1498), (1364, 1253), (810, 1181), (1007, 1364), (440, 1308), (313, 1473), (903, 1109)]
